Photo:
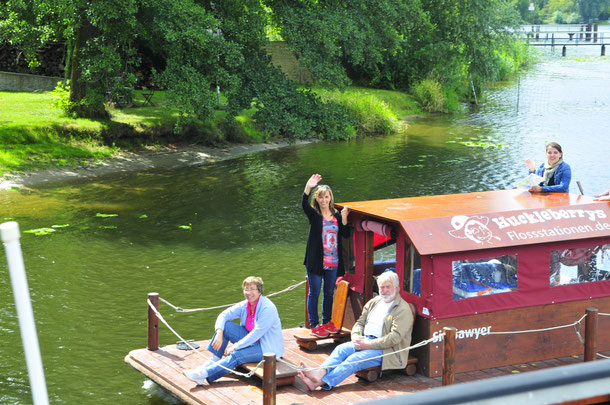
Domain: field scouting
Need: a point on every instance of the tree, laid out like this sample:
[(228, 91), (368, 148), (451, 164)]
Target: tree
[(591, 9), (97, 35), (341, 41)]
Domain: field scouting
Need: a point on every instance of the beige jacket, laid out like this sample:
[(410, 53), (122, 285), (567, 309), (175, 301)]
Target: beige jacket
[(396, 332)]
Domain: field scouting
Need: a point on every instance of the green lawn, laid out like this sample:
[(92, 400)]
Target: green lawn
[(36, 135)]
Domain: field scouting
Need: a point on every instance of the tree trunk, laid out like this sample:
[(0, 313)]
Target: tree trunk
[(78, 87)]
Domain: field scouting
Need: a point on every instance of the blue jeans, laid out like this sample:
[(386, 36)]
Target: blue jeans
[(233, 333), (315, 283), (346, 352)]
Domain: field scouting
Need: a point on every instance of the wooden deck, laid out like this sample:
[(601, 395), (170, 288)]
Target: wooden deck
[(164, 367)]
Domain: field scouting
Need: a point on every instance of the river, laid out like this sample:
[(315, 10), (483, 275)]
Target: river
[(193, 234)]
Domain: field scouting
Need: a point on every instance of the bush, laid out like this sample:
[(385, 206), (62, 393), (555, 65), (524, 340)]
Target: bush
[(370, 115), (61, 97), (429, 94)]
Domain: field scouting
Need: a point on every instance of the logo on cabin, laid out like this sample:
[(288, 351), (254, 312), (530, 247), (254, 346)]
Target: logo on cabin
[(473, 228)]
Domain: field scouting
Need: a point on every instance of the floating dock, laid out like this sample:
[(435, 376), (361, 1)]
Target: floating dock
[(164, 366)]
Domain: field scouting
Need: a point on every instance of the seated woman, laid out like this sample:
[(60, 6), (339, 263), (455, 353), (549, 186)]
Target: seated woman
[(259, 331), (556, 173)]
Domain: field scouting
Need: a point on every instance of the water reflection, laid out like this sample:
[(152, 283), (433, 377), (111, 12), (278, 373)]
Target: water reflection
[(89, 279)]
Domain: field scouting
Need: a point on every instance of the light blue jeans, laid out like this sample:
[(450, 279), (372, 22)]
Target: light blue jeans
[(233, 333), (347, 353)]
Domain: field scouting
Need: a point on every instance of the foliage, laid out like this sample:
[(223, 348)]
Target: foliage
[(562, 11), (61, 96), (430, 95), (370, 114), (349, 40)]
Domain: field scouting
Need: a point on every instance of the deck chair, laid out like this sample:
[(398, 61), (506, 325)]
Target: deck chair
[(308, 341)]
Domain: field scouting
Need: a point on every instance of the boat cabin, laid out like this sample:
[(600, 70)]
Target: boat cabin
[(490, 264)]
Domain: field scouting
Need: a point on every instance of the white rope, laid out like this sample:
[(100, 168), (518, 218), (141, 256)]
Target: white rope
[(160, 317), (415, 346), (601, 355), (603, 314), (539, 330), (180, 309)]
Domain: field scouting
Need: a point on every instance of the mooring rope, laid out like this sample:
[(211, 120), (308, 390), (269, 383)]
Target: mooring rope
[(160, 317), (180, 309), (576, 325), (415, 346), (539, 330)]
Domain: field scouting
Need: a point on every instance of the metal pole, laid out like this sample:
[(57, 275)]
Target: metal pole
[(591, 334), (269, 385), (153, 322), (14, 258), (518, 92), (449, 356)]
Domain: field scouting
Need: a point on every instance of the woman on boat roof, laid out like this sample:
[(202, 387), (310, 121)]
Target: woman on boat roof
[(555, 172), (323, 258), (259, 331)]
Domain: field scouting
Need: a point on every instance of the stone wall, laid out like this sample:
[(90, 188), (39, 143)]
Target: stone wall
[(285, 59), (23, 82)]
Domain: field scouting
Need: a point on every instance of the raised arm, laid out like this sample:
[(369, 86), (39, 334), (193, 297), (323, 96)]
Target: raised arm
[(312, 182)]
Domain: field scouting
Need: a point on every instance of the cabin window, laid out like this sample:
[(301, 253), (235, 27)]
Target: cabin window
[(385, 257), (493, 275), (580, 265), (412, 274)]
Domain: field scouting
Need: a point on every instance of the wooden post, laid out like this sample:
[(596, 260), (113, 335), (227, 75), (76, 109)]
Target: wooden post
[(563, 51), (591, 334), (153, 322), (603, 50), (307, 325), (369, 257), (269, 379), (449, 356)]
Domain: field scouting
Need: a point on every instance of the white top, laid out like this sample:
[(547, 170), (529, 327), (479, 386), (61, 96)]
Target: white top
[(374, 323)]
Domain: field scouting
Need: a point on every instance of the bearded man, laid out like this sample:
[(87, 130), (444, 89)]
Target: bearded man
[(384, 328)]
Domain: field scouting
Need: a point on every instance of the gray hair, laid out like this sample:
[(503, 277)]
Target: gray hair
[(388, 276)]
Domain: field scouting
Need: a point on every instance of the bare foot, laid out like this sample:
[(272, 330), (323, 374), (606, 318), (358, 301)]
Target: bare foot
[(312, 378), (308, 382)]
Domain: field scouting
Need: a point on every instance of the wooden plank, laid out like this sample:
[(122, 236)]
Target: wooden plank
[(285, 375)]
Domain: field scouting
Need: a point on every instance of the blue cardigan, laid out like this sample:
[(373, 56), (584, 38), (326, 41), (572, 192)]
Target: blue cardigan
[(562, 178), (267, 325)]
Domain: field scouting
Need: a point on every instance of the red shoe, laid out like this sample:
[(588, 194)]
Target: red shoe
[(319, 331), (331, 328)]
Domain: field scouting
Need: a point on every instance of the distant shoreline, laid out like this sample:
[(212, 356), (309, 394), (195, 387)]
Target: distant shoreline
[(159, 158)]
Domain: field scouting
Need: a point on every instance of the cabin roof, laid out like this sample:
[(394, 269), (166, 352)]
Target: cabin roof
[(490, 219)]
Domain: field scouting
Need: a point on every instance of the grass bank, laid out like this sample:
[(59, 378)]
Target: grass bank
[(35, 135)]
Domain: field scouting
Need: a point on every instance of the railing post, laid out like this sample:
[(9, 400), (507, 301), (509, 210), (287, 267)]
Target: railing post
[(153, 322), (269, 378), (449, 356), (591, 334), (603, 50)]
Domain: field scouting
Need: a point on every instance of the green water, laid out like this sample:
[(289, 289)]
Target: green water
[(89, 280)]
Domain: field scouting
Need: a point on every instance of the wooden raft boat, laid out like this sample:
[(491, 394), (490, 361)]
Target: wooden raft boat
[(490, 264), (164, 366)]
